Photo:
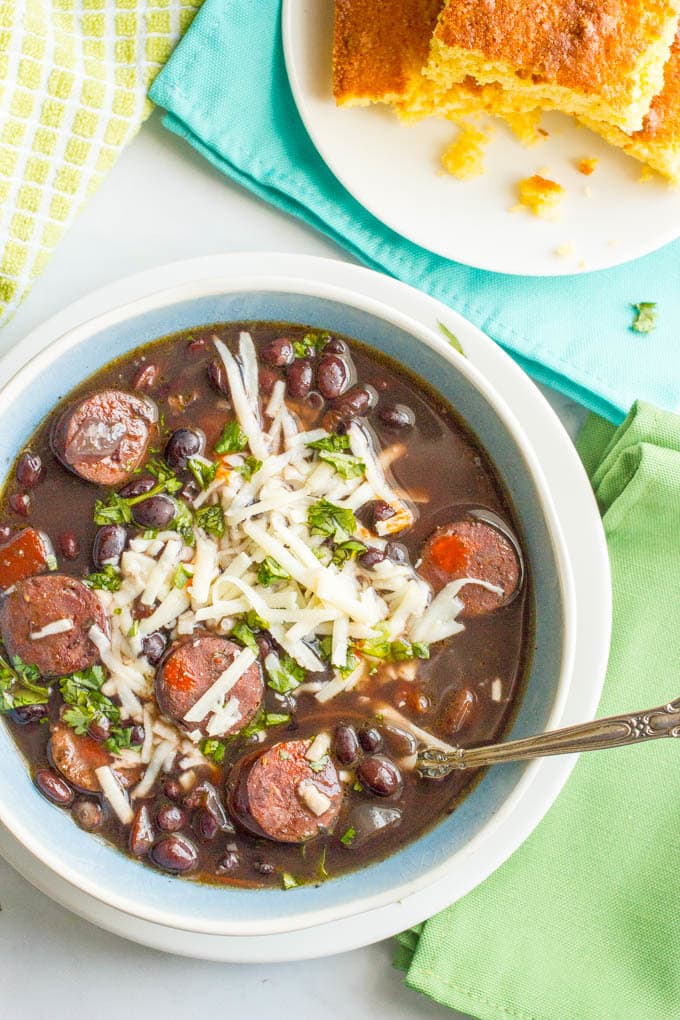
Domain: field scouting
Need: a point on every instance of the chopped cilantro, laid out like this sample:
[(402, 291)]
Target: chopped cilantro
[(288, 881), (323, 873), (331, 443), (270, 572), (310, 344), (106, 579), (262, 721), (211, 519), (213, 749), (182, 577), (115, 510), (250, 467), (118, 510), (202, 472), (286, 676), (452, 338), (348, 836), (344, 551), (343, 464), (394, 651), (232, 440), (242, 633), (134, 629), (332, 521), (255, 622), (19, 685), (320, 764), (645, 317), (163, 474), (81, 691), (325, 650), (183, 522)]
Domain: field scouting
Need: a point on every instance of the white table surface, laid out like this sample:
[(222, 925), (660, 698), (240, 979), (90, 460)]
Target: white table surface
[(162, 202)]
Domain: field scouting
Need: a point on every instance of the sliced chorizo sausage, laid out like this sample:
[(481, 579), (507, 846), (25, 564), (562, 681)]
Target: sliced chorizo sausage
[(282, 795), (189, 669), (27, 553), (77, 757), (46, 620), (104, 438), (472, 548)]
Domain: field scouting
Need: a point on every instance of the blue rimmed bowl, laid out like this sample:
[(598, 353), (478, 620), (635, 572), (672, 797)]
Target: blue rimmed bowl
[(447, 850)]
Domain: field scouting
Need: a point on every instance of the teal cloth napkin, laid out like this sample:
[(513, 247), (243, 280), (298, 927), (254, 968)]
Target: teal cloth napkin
[(226, 92)]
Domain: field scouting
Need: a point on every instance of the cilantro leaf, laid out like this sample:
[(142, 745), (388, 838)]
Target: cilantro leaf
[(351, 662), (19, 687), (106, 579), (202, 472), (114, 510), (331, 443), (182, 577), (452, 338), (211, 519), (81, 692), (348, 836), (262, 721), (183, 522), (163, 474), (285, 676), (343, 464), (213, 749), (310, 344), (288, 881), (324, 518), (645, 317), (232, 440), (394, 651), (347, 551), (250, 467), (270, 572), (242, 633)]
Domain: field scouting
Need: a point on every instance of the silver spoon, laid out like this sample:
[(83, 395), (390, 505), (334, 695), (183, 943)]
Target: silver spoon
[(615, 731)]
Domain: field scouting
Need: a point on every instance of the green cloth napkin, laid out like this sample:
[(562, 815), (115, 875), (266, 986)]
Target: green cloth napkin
[(226, 92), (73, 82), (583, 921)]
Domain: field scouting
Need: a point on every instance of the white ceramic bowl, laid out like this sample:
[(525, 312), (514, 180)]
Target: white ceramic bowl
[(449, 854)]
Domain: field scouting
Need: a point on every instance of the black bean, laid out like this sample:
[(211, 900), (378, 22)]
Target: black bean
[(218, 377), (172, 789), (400, 742), (278, 352), (29, 470), (5, 533), (155, 512), (378, 510), (54, 787), (175, 853), (100, 729), (137, 487), (263, 867), (20, 503), (108, 545), (141, 832), (267, 377), (265, 643), (181, 446), (229, 862), (300, 376), (27, 714), (69, 545), (136, 733), (333, 376), (171, 817), (380, 776), (205, 825), (346, 744), (153, 647), (146, 378), (371, 557), (335, 346), (189, 491), (356, 402), (87, 814), (458, 710), (396, 552), (396, 416), (370, 739)]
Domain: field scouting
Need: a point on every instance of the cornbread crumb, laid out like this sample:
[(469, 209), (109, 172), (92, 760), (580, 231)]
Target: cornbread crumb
[(526, 126), (587, 166), (464, 158), (565, 249), (541, 196)]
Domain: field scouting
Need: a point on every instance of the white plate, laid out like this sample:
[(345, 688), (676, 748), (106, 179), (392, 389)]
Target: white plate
[(394, 171), (583, 534)]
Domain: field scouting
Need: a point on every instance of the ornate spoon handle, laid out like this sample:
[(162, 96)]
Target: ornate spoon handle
[(617, 730)]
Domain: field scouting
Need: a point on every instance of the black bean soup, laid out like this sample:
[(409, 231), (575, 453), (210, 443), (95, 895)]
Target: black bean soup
[(224, 640)]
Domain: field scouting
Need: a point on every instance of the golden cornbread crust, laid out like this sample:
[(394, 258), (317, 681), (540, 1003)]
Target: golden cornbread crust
[(379, 47), (658, 141), (601, 58)]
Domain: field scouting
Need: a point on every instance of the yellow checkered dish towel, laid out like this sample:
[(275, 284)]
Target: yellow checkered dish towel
[(73, 81)]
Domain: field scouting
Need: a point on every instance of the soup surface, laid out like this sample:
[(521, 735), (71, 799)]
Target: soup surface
[(247, 574)]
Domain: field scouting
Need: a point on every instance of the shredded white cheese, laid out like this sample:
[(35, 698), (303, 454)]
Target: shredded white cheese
[(57, 627), (115, 795)]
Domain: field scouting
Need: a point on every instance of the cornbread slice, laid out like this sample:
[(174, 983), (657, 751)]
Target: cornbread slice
[(658, 142), (601, 59)]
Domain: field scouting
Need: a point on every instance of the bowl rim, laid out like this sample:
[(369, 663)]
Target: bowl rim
[(282, 283)]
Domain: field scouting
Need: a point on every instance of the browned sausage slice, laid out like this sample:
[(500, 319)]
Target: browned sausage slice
[(279, 795), (105, 437), (77, 757), (25, 554), (192, 667), (38, 602), (472, 548)]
